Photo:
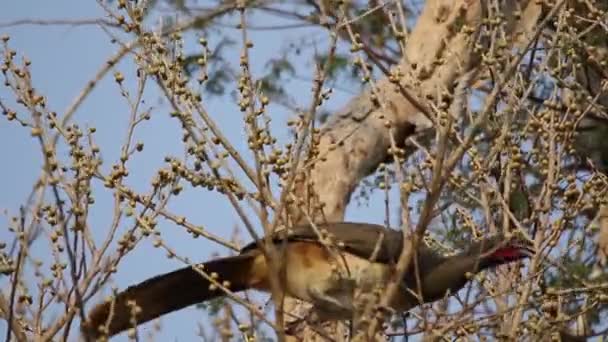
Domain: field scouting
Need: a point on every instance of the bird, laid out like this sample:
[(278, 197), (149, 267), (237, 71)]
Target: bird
[(323, 264)]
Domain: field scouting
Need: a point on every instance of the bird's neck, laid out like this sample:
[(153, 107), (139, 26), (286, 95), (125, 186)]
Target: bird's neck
[(449, 274)]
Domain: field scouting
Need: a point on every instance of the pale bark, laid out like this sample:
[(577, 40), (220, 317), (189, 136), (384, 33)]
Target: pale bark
[(436, 56), (356, 139)]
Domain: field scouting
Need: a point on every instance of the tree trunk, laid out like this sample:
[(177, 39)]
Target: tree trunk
[(439, 52)]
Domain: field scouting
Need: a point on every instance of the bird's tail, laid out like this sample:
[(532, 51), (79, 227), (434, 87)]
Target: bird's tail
[(170, 292)]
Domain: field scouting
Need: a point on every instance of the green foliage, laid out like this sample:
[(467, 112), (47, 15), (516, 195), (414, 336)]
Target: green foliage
[(338, 64), (573, 269), (219, 71), (270, 84), (591, 141), (212, 306)]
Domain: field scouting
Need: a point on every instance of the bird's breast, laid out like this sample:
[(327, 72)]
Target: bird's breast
[(314, 270)]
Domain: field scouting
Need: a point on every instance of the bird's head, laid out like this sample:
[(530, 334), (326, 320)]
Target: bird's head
[(499, 249), (451, 274)]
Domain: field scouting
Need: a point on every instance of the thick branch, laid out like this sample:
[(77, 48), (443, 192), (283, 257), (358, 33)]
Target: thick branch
[(356, 140)]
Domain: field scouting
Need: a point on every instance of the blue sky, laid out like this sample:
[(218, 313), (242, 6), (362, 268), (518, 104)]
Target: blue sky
[(63, 59)]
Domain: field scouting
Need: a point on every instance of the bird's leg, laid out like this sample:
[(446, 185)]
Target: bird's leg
[(294, 327), (311, 320), (311, 317)]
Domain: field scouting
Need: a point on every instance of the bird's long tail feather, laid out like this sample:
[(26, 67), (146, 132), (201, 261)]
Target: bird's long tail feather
[(166, 293)]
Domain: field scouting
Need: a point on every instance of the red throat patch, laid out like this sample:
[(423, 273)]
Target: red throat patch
[(507, 253)]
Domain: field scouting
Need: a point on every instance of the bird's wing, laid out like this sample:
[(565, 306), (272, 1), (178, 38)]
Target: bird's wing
[(423, 262), (361, 239)]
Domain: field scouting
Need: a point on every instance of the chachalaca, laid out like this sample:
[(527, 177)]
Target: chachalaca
[(364, 255)]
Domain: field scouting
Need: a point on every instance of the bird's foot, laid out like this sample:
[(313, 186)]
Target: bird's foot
[(296, 327)]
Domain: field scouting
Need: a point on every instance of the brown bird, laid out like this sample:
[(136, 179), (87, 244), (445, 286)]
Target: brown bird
[(366, 256)]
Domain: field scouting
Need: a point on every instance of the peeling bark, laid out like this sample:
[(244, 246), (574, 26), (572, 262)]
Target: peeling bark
[(356, 140)]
